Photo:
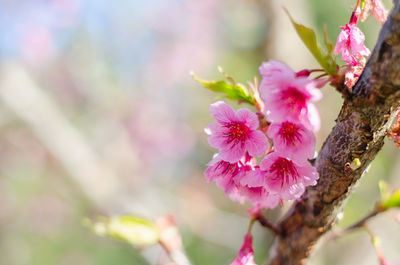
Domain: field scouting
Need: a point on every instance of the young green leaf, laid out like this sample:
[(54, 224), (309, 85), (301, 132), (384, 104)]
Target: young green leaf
[(393, 201), (355, 164), (131, 229), (388, 200), (307, 35), (229, 88)]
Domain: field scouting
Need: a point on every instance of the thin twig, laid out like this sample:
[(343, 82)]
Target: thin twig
[(171, 240), (362, 221), (267, 224), (360, 224)]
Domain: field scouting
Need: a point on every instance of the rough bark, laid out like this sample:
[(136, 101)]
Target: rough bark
[(359, 133)]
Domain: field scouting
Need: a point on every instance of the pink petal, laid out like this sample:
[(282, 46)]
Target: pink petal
[(216, 136), (341, 42), (274, 76), (256, 144), (233, 153), (222, 112), (268, 200), (288, 104), (253, 178), (379, 11), (313, 118), (291, 183), (357, 42), (276, 69), (293, 192), (261, 198), (247, 117), (293, 141), (309, 174)]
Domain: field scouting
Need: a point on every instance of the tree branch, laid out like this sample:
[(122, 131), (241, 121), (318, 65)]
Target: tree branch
[(359, 132)]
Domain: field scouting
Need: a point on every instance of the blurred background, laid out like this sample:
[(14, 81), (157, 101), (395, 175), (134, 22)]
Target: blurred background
[(99, 116)]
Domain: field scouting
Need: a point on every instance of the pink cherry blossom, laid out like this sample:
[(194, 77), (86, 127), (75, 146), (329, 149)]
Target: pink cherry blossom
[(377, 8), (234, 133), (379, 11), (259, 196), (286, 177), (223, 173), (274, 75), (350, 43), (246, 253), (287, 96), (227, 175), (293, 140), (282, 176)]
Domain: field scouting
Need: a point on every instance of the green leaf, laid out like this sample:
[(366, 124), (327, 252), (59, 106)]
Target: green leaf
[(393, 201), (134, 230), (307, 35), (388, 200), (229, 88)]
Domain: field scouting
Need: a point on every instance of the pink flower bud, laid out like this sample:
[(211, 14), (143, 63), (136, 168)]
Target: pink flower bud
[(246, 253)]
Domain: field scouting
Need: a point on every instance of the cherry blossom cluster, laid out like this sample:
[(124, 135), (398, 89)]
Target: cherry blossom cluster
[(285, 141), (264, 157), (350, 42)]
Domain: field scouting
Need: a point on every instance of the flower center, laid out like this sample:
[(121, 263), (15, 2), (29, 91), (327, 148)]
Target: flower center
[(284, 170), (227, 169), (237, 132), (290, 133), (294, 99)]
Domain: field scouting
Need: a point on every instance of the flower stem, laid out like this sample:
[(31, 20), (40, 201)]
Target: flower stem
[(356, 13)]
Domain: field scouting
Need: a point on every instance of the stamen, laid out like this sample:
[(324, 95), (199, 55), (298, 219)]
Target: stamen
[(283, 170), (290, 133)]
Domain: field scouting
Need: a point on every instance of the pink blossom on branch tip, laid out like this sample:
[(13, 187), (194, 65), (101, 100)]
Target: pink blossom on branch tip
[(377, 8), (350, 43), (379, 11), (234, 133), (246, 253)]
